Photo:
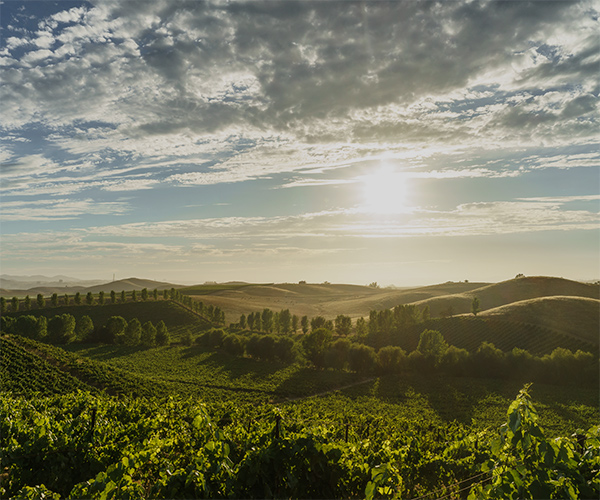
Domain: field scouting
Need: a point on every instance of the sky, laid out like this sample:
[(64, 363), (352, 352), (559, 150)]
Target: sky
[(403, 142)]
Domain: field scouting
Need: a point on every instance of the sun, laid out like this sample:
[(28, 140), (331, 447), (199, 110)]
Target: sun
[(385, 192)]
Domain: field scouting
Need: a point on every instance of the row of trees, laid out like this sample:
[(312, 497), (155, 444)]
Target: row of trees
[(433, 355), (64, 329), (214, 314), (26, 304), (284, 322), (264, 347)]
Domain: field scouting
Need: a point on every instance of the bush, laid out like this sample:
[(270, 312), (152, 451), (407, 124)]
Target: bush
[(362, 358), (391, 359), (234, 345), (337, 354)]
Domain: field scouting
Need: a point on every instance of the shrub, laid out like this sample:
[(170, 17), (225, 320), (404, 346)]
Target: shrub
[(391, 359)]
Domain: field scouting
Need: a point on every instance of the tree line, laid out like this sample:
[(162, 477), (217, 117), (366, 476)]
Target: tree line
[(433, 355), (64, 329), (26, 304)]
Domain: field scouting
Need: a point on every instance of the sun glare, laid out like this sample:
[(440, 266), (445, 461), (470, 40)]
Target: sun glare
[(385, 192)]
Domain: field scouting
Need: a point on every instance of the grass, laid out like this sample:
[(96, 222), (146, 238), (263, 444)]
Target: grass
[(214, 288)]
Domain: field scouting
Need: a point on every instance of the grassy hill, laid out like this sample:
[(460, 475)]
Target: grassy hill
[(576, 316), (507, 292), (172, 313), (468, 332), (328, 300), (130, 284)]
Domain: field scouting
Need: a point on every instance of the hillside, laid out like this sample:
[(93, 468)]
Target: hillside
[(469, 332), (173, 314), (309, 299), (507, 292), (576, 316), (131, 284)]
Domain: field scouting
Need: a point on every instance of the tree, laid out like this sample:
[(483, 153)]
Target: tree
[(267, 320), (89, 298), (361, 327), (285, 321), (294, 323), (148, 334), (425, 314), (250, 321), (133, 295), (114, 330), (315, 345), (243, 321), (41, 301), (155, 293), (361, 358), (66, 299), (317, 322), (133, 332), (391, 359), (373, 285), (54, 300), (123, 296), (101, 298), (343, 325), (61, 329), (27, 303), (84, 328), (144, 294), (26, 326), (475, 306), (432, 343), (14, 304), (165, 294), (162, 334), (42, 327), (77, 299), (304, 324), (2, 305), (113, 297)]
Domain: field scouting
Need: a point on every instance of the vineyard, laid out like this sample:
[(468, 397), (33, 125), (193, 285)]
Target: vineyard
[(194, 418), (82, 445), (469, 332)]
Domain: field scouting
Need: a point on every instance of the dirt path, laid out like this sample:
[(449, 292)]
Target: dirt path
[(318, 394)]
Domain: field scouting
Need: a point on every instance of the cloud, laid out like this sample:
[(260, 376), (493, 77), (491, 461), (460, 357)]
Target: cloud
[(58, 209)]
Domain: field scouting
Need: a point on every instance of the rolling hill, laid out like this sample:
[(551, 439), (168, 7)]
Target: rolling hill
[(576, 316), (507, 292), (309, 299)]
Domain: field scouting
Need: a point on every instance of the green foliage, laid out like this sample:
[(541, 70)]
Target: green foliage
[(93, 446), (343, 325), (40, 301), (84, 328), (315, 345), (525, 464), (77, 298), (133, 332), (14, 304), (54, 300), (148, 337), (27, 303), (432, 343), (61, 329), (114, 330), (162, 334), (101, 299), (475, 306)]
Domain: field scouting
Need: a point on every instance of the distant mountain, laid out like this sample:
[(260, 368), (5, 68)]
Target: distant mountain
[(57, 283)]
